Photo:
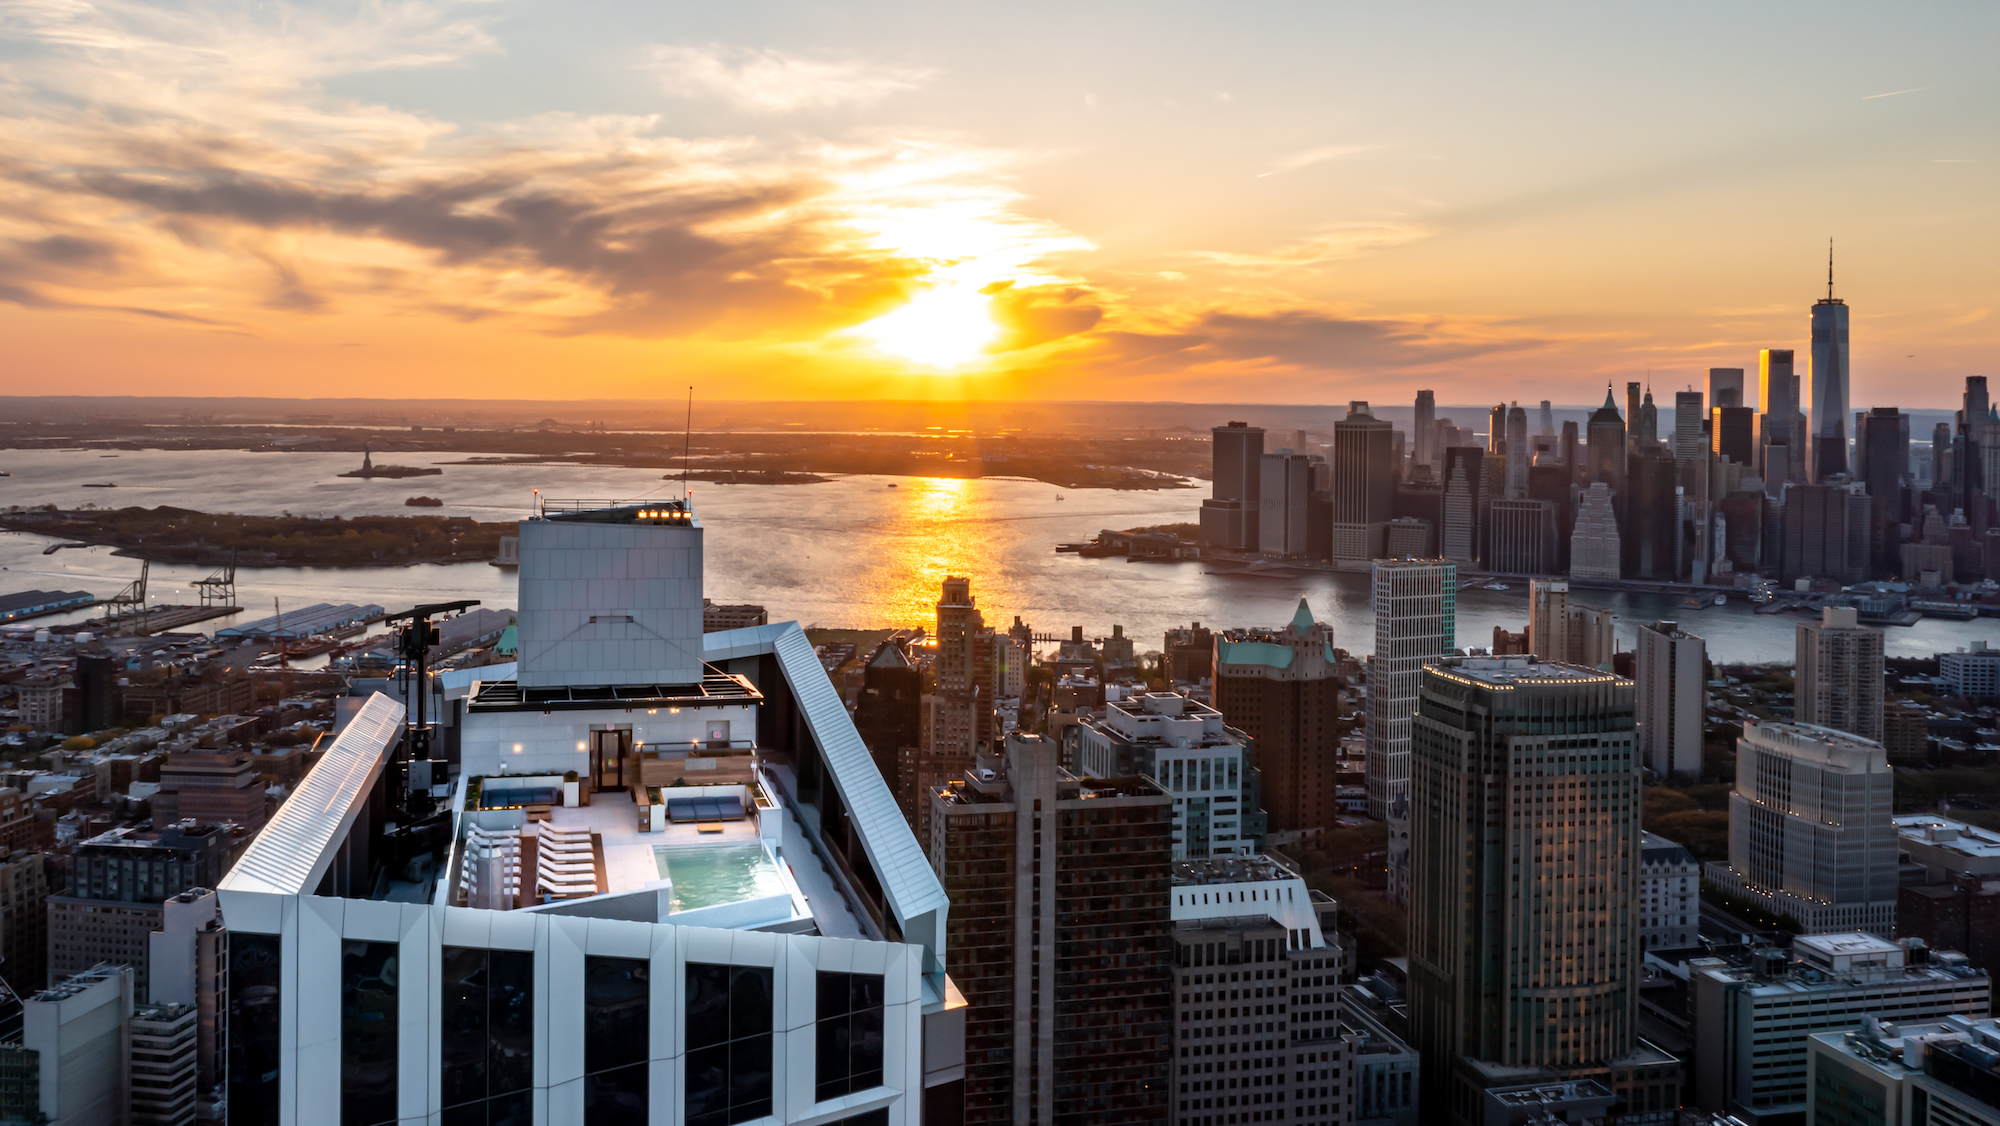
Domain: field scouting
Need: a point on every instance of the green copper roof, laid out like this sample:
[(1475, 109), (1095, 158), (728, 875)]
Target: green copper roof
[(1253, 653), (1303, 619)]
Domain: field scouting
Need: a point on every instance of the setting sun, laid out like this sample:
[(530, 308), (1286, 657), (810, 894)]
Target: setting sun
[(943, 327)]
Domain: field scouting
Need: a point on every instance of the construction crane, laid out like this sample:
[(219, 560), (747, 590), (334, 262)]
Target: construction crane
[(219, 588), (129, 605)]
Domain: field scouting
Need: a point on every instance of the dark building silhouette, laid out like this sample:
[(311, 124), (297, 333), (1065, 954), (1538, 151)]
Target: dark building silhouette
[(1607, 446), (1882, 454), (1229, 516), (1649, 535), (96, 685), (1732, 433), (1824, 534), (889, 716), (1060, 938)]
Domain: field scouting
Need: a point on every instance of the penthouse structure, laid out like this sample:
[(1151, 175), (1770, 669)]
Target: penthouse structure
[(1810, 829), (1258, 1032), (1185, 747), (1060, 936), (761, 942), (1751, 1017)]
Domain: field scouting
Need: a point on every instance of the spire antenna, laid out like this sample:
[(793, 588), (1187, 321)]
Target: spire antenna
[(1829, 267)]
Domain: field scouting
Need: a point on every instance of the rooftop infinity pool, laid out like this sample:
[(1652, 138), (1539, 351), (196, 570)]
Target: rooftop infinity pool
[(711, 875)]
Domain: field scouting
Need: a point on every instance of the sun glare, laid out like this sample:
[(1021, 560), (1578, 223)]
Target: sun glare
[(944, 327)]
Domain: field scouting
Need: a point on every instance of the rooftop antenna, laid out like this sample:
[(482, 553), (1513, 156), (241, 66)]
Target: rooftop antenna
[(1829, 267), (687, 443)]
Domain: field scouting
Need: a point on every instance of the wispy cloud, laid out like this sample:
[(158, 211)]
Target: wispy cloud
[(1894, 93), (1326, 245), (766, 81), (1306, 158)]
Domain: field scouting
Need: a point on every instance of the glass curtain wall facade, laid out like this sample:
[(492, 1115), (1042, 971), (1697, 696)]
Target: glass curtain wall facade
[(487, 1036)]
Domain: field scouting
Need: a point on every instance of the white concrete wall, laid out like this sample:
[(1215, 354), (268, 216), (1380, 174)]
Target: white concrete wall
[(572, 572), (1288, 901), (313, 929)]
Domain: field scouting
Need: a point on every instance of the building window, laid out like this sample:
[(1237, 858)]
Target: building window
[(487, 1038), (367, 1033), (849, 1041), (617, 1035), (728, 1043), (254, 962)]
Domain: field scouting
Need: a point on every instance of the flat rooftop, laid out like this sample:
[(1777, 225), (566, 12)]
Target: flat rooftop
[(1510, 670), (1948, 835), (1230, 870), (1848, 945), (716, 687)]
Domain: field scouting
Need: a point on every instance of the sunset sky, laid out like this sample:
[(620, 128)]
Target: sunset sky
[(1243, 202)]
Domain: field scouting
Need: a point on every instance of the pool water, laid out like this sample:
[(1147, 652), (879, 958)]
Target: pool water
[(710, 875)]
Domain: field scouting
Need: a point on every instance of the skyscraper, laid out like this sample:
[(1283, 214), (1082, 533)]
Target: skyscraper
[(1364, 483), (1459, 537), (1521, 536), (1284, 500), (1779, 410), (1229, 516), (1415, 605), (1672, 693), (1648, 429), (1423, 435), (1632, 397), (1548, 619), (1882, 447), (1725, 387), (1810, 829), (1839, 673), (1594, 551), (1496, 429), (1568, 448), (1524, 869), (1280, 687), (1732, 433), (1548, 426), (1607, 445), (1690, 444), (1650, 533), (1517, 453), (1824, 533), (1066, 1023), (1830, 378), (888, 715)]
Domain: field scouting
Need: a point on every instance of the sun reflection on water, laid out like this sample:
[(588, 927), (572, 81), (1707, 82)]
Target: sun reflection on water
[(942, 533)]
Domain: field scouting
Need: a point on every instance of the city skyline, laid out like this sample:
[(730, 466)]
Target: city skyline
[(500, 199)]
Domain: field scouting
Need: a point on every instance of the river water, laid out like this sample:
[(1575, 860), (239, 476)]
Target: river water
[(853, 553)]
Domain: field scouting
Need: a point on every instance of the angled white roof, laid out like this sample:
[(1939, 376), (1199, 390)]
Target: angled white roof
[(292, 853), (909, 883)]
